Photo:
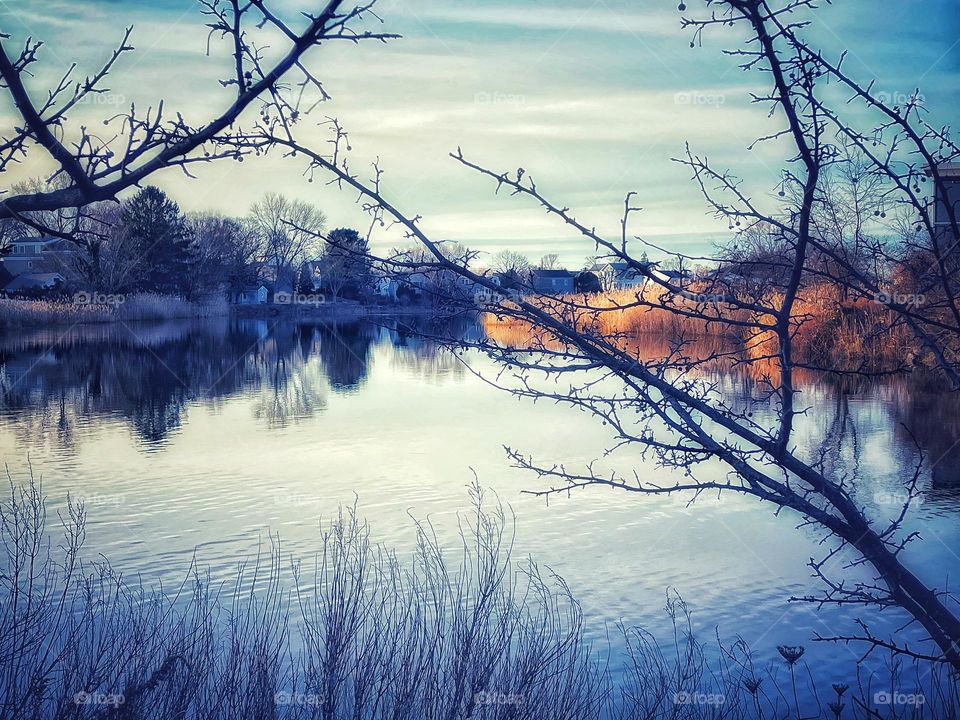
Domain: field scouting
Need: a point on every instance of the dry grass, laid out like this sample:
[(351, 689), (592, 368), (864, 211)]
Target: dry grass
[(829, 331), (622, 312), (142, 306), (364, 635)]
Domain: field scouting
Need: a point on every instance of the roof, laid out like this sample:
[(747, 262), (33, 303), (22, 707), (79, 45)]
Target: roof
[(33, 280), (42, 240), (554, 273), (949, 169)]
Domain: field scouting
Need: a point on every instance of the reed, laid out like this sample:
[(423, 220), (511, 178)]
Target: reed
[(845, 334), (130, 308), (359, 634)]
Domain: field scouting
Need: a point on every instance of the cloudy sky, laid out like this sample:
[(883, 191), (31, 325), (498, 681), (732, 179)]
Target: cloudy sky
[(592, 98)]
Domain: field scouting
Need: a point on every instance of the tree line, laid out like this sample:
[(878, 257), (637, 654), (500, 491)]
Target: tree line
[(147, 243)]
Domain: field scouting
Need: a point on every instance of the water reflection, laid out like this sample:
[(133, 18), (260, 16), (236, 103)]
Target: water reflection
[(51, 380)]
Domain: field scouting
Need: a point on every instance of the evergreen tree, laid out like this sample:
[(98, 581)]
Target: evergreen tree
[(159, 231), (345, 266)]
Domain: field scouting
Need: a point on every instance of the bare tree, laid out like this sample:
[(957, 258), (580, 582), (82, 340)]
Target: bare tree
[(225, 251), (289, 229), (668, 403), (511, 262), (549, 261), (95, 166)]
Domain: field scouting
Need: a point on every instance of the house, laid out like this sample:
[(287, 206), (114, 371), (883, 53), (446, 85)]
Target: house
[(485, 297), (552, 282), (511, 284), (42, 255), (385, 287), (311, 277), (412, 286), (950, 175), (619, 275), (254, 294), (34, 282)]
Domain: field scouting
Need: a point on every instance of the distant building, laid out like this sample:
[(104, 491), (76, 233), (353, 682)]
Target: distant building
[(950, 174), (552, 282), (619, 275), (34, 282), (510, 284), (485, 297), (42, 255), (255, 294), (674, 277), (385, 287)]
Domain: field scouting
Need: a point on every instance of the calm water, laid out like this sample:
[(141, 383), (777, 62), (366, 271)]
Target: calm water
[(201, 438)]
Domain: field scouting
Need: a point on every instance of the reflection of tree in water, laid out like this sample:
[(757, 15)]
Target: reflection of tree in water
[(420, 344), (922, 419), (844, 411), (291, 386), (147, 375), (933, 418), (345, 352)]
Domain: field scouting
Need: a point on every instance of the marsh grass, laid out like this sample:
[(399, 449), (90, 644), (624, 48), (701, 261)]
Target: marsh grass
[(360, 634), (137, 307), (829, 331)]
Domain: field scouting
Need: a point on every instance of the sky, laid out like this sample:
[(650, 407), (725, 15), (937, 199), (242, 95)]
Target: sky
[(592, 99)]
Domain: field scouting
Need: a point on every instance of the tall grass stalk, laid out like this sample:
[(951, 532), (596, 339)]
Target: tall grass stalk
[(359, 633), (132, 308)]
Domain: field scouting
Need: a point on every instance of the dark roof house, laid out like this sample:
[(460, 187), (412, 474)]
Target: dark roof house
[(553, 282)]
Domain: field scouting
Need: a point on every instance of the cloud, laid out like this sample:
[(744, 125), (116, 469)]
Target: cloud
[(591, 99), (598, 17)]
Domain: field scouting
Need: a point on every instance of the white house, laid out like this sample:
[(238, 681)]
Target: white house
[(618, 275), (252, 295), (41, 255)]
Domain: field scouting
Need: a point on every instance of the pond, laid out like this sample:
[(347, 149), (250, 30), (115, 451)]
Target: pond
[(201, 438)]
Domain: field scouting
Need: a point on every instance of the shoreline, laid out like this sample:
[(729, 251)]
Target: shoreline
[(40, 314)]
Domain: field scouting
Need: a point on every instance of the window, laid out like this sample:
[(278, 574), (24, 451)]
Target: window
[(953, 197)]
